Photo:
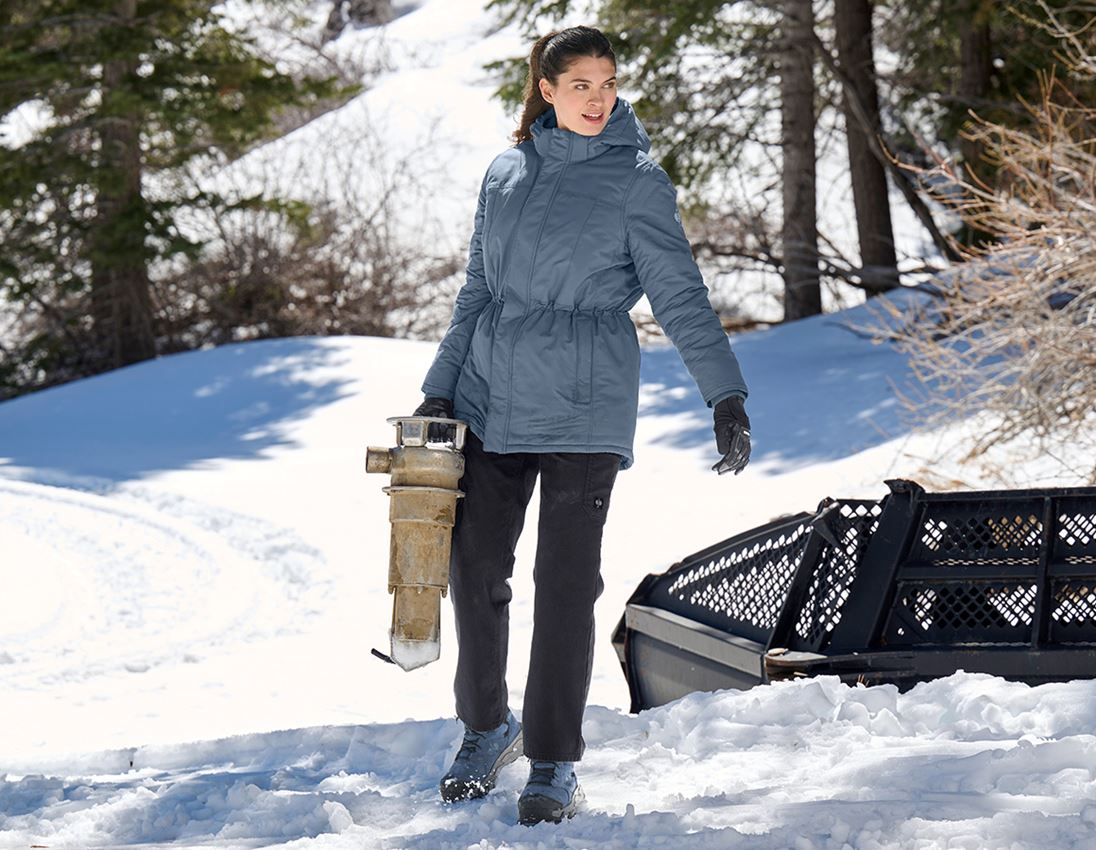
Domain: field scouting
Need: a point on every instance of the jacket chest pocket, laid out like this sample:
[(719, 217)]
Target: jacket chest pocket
[(597, 244), (504, 210), (497, 196)]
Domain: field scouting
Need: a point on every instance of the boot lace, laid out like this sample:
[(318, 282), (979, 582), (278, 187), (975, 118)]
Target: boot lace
[(542, 773), (473, 740)]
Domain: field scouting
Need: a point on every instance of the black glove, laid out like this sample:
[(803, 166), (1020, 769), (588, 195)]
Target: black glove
[(435, 406), (732, 435)]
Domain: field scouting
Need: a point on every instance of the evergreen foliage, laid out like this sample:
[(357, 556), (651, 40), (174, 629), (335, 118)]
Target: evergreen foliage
[(926, 40), (125, 91)]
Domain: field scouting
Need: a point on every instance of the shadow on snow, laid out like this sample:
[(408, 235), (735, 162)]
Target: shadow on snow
[(234, 401), (818, 392)]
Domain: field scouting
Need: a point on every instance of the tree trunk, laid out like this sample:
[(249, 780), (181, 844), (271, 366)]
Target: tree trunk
[(975, 70), (121, 304), (802, 294), (879, 264)]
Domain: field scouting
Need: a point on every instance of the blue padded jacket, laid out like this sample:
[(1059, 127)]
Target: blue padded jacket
[(570, 232)]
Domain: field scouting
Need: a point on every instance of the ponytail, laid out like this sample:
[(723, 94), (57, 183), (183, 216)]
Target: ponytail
[(552, 55)]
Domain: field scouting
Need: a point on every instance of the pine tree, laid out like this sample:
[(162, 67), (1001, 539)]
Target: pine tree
[(802, 294), (853, 29), (125, 90)]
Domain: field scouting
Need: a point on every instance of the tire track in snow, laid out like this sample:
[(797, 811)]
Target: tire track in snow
[(130, 578)]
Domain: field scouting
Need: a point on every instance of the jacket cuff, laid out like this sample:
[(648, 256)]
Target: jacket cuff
[(718, 397), (435, 391)]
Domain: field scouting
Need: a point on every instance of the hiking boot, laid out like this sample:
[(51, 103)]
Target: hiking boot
[(551, 794), (480, 758)]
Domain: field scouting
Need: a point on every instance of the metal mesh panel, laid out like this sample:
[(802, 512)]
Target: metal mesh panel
[(1073, 611), (853, 524), (954, 611), (1000, 532), (1076, 538), (741, 588)]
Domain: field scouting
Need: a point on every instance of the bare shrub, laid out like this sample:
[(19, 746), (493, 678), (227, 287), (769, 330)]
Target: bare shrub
[(268, 278), (1010, 335), (336, 254), (44, 341), (359, 12), (288, 34)]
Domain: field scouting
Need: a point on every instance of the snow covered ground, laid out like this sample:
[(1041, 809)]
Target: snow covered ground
[(193, 566), (965, 762)]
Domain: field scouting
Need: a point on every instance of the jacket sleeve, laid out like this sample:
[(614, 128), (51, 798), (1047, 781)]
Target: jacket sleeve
[(441, 379), (673, 284)]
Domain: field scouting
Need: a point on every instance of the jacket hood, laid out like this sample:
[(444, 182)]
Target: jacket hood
[(622, 129)]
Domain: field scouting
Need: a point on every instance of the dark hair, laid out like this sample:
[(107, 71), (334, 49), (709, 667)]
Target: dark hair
[(551, 56)]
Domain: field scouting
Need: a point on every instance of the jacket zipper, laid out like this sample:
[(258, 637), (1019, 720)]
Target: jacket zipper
[(529, 294)]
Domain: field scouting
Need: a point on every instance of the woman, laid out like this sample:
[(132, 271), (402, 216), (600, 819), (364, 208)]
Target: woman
[(574, 224)]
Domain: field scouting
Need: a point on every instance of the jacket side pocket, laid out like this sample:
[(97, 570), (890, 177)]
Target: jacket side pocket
[(584, 361)]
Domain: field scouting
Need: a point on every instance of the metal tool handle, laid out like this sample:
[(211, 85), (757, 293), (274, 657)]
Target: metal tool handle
[(416, 430)]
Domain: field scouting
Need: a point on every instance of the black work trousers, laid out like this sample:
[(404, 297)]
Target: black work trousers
[(574, 500)]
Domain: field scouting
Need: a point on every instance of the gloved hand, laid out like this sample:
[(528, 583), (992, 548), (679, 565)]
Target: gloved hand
[(435, 406), (732, 435)]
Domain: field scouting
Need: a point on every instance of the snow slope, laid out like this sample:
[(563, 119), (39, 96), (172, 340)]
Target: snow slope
[(262, 444)]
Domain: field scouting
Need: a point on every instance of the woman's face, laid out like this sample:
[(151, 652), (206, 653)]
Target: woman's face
[(586, 88)]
